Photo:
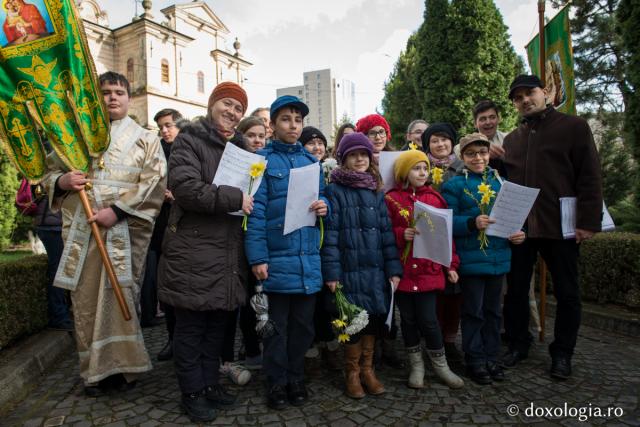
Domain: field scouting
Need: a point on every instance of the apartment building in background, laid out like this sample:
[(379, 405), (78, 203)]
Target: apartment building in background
[(329, 99)]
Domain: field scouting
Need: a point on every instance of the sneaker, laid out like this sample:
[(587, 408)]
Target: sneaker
[(253, 363), (198, 408), (236, 372)]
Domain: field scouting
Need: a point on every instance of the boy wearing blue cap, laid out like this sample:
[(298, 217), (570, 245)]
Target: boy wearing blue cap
[(288, 265)]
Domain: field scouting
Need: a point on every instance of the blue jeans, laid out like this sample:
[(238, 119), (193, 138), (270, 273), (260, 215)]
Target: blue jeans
[(57, 306), (480, 318)]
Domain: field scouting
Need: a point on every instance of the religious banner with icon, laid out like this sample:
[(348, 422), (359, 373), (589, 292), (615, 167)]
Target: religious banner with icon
[(559, 74), (48, 82)]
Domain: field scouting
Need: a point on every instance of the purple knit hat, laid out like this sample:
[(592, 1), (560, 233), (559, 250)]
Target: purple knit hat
[(354, 141)]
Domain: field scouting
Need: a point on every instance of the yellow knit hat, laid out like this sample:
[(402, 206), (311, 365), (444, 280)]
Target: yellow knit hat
[(406, 161)]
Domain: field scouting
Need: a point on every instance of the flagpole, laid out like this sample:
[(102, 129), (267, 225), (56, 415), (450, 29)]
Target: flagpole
[(543, 267)]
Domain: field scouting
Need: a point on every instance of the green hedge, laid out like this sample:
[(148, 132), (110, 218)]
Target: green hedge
[(610, 269), (23, 297)]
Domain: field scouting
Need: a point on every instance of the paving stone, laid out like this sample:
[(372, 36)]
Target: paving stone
[(597, 381), (34, 422)]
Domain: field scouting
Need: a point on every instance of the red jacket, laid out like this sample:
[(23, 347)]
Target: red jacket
[(420, 275)]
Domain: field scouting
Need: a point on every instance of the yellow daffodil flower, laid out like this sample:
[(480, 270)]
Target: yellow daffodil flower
[(484, 188), (256, 170), (404, 213), (344, 338), (437, 173), (413, 146), (486, 199), (339, 324)]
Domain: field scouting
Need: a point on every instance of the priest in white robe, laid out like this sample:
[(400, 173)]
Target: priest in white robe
[(127, 190)]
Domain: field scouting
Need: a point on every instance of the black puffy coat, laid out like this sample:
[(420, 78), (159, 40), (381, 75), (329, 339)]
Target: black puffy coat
[(203, 266), (359, 247)]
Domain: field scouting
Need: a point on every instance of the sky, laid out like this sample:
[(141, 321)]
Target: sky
[(359, 40)]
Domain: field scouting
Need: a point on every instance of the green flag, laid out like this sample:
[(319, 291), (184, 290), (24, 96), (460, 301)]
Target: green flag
[(559, 75), (47, 81)]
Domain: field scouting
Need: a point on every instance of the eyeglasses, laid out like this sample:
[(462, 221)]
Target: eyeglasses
[(380, 133), (418, 132), (471, 154)]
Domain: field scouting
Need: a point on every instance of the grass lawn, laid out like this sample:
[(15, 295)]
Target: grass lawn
[(13, 255)]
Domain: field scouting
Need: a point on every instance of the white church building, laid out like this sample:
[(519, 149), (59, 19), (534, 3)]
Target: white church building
[(173, 62)]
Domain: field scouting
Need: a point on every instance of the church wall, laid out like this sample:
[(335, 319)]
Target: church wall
[(157, 103)]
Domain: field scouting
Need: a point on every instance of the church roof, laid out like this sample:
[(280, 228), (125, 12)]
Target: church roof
[(198, 11)]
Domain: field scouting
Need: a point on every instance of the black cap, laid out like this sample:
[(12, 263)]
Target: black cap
[(445, 128), (309, 132), (524, 80)]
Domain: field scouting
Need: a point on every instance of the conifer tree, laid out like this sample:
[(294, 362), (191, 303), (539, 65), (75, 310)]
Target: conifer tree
[(483, 60)]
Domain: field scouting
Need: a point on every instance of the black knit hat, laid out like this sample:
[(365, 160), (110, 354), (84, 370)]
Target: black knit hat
[(524, 80), (309, 132), (445, 128)]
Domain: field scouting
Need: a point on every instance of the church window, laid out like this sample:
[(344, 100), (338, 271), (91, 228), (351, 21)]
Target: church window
[(164, 71), (200, 82), (130, 70)]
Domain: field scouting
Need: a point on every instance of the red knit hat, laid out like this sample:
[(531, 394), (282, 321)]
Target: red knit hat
[(229, 90), (365, 124)]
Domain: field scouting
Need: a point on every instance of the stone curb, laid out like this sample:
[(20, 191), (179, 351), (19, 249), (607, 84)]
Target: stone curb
[(610, 319), (22, 364)]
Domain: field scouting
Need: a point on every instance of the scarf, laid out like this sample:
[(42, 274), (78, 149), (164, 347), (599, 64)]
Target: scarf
[(354, 179), (442, 163), (227, 134)]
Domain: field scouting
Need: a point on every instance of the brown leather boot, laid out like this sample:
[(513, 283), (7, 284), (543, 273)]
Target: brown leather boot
[(368, 375), (352, 353)]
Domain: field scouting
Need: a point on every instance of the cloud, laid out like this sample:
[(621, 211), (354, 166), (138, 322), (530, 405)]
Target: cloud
[(373, 69), (522, 19)]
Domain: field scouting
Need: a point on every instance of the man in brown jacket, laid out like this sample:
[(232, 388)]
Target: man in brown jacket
[(554, 152)]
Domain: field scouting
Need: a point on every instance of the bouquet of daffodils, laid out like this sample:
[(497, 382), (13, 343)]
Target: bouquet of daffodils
[(484, 204), (411, 223), (351, 318)]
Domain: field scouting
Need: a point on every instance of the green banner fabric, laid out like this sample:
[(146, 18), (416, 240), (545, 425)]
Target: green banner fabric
[(48, 81), (559, 75)]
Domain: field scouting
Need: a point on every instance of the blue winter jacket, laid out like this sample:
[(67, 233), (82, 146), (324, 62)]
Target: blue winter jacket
[(496, 258), (359, 247), (293, 259)]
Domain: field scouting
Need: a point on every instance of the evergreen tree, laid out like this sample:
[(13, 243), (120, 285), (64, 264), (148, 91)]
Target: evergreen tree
[(465, 55), (615, 158), (8, 187), (598, 54), (432, 74), (401, 102), (628, 16)]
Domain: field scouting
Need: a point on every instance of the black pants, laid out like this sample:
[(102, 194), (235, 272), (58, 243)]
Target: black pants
[(322, 317), (170, 318), (149, 289), (480, 318), (283, 356), (229, 341), (197, 342), (57, 305), (561, 256), (418, 318)]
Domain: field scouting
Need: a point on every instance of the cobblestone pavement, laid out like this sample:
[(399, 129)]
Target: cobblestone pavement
[(606, 375)]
